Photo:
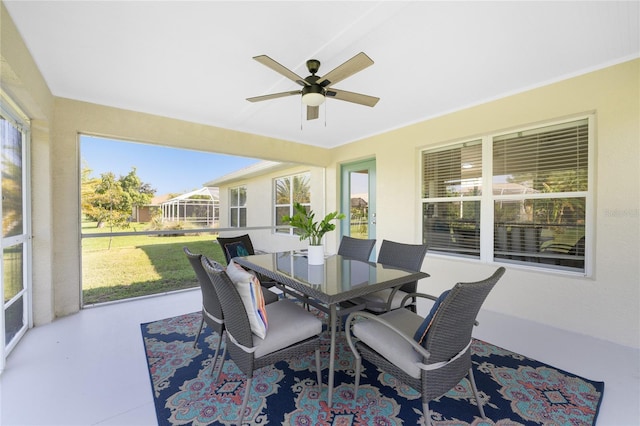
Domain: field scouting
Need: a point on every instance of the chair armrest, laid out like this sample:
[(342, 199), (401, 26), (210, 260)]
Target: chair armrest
[(410, 295), (390, 299), (426, 296), (409, 339)]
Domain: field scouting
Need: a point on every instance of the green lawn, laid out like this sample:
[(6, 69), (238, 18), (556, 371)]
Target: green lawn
[(139, 265)]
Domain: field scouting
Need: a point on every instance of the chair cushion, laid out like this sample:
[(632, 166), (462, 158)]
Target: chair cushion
[(388, 343), (377, 301), (248, 286), (289, 323), (236, 249), (421, 333)]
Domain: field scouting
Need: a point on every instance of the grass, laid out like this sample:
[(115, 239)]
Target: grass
[(139, 265)]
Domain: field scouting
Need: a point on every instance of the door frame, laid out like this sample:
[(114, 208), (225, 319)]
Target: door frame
[(368, 164)]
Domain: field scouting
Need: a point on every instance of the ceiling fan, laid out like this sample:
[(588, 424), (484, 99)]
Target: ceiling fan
[(315, 88)]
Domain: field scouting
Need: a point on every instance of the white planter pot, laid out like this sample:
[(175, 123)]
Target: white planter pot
[(315, 274), (315, 255)]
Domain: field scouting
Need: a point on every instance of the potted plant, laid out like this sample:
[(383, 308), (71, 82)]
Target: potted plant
[(312, 230)]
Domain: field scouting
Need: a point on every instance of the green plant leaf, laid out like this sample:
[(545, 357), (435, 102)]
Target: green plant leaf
[(309, 228)]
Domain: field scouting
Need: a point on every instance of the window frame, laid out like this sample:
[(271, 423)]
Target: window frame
[(236, 207), (18, 120), (487, 198), (277, 205), (441, 197)]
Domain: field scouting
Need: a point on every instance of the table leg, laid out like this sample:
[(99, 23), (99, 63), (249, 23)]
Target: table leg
[(332, 351)]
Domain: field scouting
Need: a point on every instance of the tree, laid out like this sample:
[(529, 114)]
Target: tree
[(293, 186), (87, 193), (110, 200), (140, 193), (11, 179)]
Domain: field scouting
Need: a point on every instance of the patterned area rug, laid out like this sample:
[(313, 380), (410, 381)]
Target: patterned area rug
[(515, 390)]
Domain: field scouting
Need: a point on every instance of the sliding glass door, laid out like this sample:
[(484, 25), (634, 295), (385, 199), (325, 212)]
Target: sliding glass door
[(15, 241)]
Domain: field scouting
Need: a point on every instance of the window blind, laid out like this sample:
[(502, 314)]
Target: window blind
[(454, 172), (549, 159)]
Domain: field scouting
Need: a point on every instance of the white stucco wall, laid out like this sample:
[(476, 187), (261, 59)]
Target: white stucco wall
[(606, 304), (260, 199), (22, 81)]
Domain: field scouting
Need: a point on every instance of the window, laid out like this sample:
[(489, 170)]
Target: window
[(520, 197), (238, 207), (289, 190), (15, 267), (452, 189)]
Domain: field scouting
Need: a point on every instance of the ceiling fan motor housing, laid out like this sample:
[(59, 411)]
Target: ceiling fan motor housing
[(311, 86)]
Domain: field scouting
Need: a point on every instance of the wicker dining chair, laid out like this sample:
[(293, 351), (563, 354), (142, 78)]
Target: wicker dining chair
[(292, 332), (241, 245), (399, 255), (356, 248), (226, 244), (430, 354), (211, 309)]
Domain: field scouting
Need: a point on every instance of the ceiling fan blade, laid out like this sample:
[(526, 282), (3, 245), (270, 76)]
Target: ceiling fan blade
[(280, 69), (274, 96), (347, 69), (312, 112), (356, 98)]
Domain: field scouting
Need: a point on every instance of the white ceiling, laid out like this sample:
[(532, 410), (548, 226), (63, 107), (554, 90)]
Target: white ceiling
[(193, 60)]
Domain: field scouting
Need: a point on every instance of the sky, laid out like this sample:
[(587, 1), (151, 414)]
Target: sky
[(167, 170)]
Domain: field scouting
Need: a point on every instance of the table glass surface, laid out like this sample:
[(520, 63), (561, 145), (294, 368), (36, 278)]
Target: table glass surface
[(337, 276)]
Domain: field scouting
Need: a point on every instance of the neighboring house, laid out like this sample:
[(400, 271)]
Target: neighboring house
[(358, 203), (147, 212), (199, 207)]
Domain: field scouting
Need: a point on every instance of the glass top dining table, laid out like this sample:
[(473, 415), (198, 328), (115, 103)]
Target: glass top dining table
[(328, 286)]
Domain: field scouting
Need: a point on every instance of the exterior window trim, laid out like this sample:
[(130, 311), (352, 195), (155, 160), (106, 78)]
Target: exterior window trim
[(235, 207), (276, 205)]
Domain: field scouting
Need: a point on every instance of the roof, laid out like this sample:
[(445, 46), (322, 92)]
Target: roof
[(248, 172), (211, 192)]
